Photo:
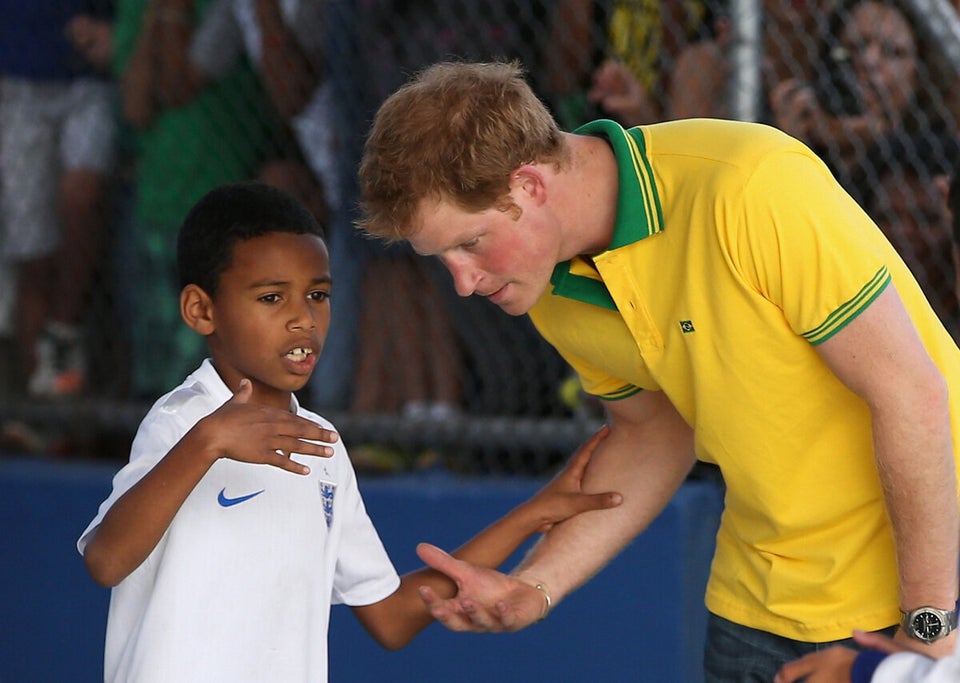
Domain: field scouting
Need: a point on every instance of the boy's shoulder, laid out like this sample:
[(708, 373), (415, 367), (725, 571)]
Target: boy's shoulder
[(315, 417), (183, 397), (200, 393)]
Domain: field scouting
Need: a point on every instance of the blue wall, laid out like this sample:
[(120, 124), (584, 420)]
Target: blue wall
[(641, 618)]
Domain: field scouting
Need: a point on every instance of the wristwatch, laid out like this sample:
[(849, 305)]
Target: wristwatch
[(929, 624)]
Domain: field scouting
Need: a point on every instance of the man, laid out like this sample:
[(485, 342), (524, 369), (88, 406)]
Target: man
[(712, 282)]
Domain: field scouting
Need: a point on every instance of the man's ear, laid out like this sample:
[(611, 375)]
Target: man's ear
[(530, 180), (196, 309)]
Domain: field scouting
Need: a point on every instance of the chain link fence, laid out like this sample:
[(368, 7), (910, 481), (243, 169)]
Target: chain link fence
[(430, 377)]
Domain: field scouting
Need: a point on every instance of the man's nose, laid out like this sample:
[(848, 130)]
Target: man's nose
[(465, 277)]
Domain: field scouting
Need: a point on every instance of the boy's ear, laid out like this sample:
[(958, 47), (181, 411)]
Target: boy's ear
[(196, 309)]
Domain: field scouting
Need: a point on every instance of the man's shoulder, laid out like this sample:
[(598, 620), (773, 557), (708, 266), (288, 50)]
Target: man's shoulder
[(716, 136)]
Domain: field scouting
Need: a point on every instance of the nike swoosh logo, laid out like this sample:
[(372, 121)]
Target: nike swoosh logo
[(228, 502)]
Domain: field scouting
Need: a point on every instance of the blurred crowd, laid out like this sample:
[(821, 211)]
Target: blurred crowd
[(117, 115)]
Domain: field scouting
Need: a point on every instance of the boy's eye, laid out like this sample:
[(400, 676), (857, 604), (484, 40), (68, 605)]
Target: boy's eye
[(470, 244), (269, 298), (319, 295)]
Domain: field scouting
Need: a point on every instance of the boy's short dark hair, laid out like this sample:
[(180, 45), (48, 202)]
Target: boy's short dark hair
[(229, 214)]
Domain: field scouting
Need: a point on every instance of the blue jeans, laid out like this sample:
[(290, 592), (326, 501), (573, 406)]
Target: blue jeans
[(738, 654)]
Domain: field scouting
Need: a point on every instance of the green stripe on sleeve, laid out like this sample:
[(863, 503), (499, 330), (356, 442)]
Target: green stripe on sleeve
[(837, 320), (622, 392)]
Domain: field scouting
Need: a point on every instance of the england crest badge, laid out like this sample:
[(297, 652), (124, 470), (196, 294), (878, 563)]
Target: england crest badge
[(328, 490)]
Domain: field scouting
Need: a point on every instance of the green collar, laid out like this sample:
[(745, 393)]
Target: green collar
[(639, 213)]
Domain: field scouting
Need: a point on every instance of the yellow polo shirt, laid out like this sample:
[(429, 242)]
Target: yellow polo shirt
[(734, 254)]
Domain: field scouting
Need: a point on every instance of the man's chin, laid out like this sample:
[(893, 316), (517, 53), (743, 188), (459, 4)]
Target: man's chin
[(513, 308)]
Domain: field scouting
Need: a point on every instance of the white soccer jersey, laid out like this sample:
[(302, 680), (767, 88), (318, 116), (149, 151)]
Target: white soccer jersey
[(910, 667), (239, 588)]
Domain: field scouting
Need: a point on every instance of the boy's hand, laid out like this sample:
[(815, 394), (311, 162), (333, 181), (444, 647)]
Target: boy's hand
[(563, 497), (878, 641), (254, 433), (833, 665)]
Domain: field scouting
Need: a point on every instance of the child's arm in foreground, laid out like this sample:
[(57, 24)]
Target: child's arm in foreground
[(839, 664), (237, 430), (394, 621)]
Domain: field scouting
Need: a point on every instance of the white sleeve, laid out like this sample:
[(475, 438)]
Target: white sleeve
[(364, 573), (909, 667)]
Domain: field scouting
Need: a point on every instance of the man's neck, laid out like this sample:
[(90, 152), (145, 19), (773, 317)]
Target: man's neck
[(587, 196)]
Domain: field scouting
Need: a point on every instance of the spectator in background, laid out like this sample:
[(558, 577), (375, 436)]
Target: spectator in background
[(953, 206), (418, 380), (638, 62), (190, 135), (791, 30), (285, 43), (57, 135), (421, 350), (909, 180), (9, 365), (647, 61), (873, 79), (289, 44)]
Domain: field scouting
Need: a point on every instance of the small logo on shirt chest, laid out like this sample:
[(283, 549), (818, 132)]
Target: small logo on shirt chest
[(686, 326), (226, 501)]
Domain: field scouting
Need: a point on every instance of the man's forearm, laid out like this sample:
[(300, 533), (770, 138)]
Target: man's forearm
[(646, 463), (919, 479), (914, 452)]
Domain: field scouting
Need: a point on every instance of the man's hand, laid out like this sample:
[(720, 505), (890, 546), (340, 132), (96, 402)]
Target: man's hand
[(254, 433), (487, 601)]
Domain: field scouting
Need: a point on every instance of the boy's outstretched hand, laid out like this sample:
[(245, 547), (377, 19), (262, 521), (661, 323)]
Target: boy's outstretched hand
[(255, 433), (563, 497)]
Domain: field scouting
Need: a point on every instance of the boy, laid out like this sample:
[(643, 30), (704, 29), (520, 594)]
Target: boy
[(238, 519)]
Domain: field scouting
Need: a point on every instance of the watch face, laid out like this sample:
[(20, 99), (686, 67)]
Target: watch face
[(927, 625)]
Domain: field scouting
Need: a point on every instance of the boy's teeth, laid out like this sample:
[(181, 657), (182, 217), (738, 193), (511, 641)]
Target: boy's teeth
[(299, 354)]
